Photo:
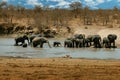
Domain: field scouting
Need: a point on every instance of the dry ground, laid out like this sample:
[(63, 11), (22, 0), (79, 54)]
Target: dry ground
[(58, 69)]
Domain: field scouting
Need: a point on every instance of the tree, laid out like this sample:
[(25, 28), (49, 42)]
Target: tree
[(3, 4), (37, 8), (75, 7), (87, 16)]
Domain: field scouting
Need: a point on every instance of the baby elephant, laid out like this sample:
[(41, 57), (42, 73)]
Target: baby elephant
[(56, 44)]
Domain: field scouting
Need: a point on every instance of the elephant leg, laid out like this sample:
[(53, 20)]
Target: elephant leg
[(80, 45), (99, 45), (107, 45), (34, 44), (95, 45), (114, 44), (90, 44), (83, 44), (41, 45), (71, 46), (16, 43), (110, 44), (23, 42), (87, 45), (77, 45), (54, 44)]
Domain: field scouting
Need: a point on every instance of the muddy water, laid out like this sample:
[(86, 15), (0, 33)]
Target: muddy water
[(7, 49)]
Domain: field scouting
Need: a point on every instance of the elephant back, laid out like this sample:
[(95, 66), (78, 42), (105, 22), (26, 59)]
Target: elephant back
[(96, 37), (105, 40), (32, 37), (90, 37), (79, 36), (39, 39)]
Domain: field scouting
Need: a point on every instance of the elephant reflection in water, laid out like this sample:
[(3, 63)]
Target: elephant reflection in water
[(40, 41)]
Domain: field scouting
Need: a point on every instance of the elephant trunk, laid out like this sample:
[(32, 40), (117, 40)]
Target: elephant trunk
[(49, 44)]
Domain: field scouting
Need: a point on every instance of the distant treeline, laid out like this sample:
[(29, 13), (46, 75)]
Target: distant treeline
[(44, 17)]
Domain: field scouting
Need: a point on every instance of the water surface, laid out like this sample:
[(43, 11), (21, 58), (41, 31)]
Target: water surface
[(7, 49)]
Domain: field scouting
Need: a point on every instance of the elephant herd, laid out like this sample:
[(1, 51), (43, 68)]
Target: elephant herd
[(76, 41), (79, 40)]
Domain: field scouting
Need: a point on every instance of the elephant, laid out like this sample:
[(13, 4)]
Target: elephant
[(79, 43), (97, 41), (89, 40), (68, 43), (79, 40), (21, 39), (56, 44), (112, 38), (40, 41), (106, 42)]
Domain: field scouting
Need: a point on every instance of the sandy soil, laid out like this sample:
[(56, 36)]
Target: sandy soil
[(58, 69)]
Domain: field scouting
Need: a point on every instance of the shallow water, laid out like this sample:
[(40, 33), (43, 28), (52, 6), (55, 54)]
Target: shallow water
[(7, 49)]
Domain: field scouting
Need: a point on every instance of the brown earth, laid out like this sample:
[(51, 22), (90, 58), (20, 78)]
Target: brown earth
[(59, 69)]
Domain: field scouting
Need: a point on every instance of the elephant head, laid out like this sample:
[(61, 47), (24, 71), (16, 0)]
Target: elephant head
[(40, 41)]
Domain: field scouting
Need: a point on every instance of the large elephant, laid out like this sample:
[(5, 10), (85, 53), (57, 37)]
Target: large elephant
[(40, 41), (21, 39), (97, 41), (106, 42), (112, 38), (79, 40), (70, 41), (89, 40)]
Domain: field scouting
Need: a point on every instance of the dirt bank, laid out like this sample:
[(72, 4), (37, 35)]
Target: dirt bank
[(58, 68)]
